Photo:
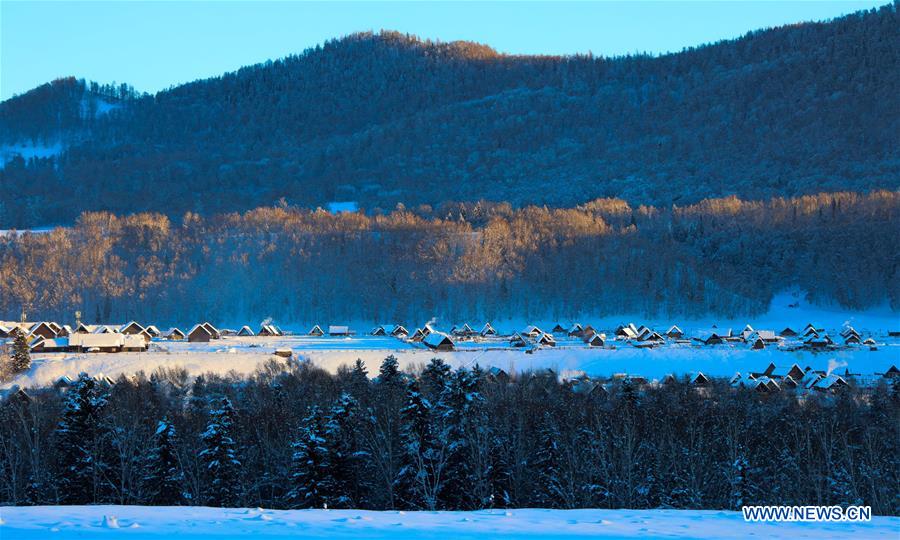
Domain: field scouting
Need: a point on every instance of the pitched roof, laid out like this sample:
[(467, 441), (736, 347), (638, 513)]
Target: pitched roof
[(437, 339)]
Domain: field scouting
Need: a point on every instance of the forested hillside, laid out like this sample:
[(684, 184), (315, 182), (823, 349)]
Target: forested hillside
[(457, 262), (387, 118)]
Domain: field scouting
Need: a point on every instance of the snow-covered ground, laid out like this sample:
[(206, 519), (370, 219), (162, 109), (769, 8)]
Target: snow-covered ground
[(244, 354), (186, 523)]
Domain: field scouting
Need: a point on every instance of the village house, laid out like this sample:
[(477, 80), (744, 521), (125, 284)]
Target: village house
[(174, 334), (558, 329), (488, 330), (830, 384), (42, 329), (393, 330), (338, 330), (596, 340), (649, 335), (42, 344), (779, 372), (108, 342), (815, 341), (131, 328), (418, 335), (199, 334), (269, 330), (546, 340), (674, 332), (532, 331), (516, 340), (213, 331), (576, 330), (316, 331), (245, 331), (134, 342), (463, 331), (438, 341), (498, 375), (788, 332), (628, 331)]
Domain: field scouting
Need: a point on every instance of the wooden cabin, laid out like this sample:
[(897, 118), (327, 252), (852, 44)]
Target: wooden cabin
[(438, 341), (337, 330), (596, 340), (43, 329), (199, 334), (174, 334), (316, 331), (245, 331), (674, 332)]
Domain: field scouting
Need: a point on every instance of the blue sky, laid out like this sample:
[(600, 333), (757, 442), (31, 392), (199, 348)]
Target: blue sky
[(153, 45)]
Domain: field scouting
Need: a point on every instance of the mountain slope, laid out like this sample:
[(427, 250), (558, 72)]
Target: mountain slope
[(389, 118)]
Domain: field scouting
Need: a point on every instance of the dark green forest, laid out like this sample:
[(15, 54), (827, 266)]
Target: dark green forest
[(386, 118)]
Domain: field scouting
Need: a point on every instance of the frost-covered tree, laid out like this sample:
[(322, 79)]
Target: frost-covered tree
[(546, 465), (221, 467), (21, 352), (312, 484), (163, 481), (461, 418), (418, 479), (348, 462), (81, 465)]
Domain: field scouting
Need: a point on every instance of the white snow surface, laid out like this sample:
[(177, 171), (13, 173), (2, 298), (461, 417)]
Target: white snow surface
[(243, 355), (185, 523)]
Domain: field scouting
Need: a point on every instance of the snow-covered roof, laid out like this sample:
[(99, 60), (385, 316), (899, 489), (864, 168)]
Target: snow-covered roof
[(133, 341), (202, 328), (86, 341), (437, 339), (338, 329)]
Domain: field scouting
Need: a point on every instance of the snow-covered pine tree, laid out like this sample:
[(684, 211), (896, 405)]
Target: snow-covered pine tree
[(737, 480), (500, 474), (359, 385), (163, 481), (221, 467), (415, 486), (311, 483), (21, 352), (435, 378), (79, 439), (348, 462), (548, 489), (461, 415)]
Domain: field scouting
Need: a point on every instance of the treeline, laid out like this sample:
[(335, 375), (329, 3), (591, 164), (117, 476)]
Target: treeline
[(294, 436), (477, 261), (387, 118)]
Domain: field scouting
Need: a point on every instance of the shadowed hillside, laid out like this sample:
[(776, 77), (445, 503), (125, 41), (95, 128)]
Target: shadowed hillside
[(387, 118)]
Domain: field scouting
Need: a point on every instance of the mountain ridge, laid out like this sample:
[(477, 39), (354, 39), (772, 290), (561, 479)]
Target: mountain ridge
[(387, 118)]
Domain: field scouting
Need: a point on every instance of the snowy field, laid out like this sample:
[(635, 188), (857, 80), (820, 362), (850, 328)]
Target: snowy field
[(113, 522), (243, 355)]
